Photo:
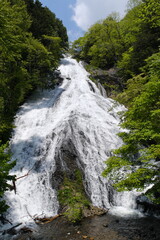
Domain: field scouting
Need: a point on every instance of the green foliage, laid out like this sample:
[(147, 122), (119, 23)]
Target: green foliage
[(72, 197), (44, 22), (25, 62), (102, 44), (141, 152), (5, 166), (150, 13), (141, 28), (32, 41), (123, 43), (54, 46), (134, 88)]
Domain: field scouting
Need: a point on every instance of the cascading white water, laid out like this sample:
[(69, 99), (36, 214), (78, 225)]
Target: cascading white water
[(73, 117)]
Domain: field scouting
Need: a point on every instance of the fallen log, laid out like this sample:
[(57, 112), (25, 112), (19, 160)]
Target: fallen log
[(46, 220)]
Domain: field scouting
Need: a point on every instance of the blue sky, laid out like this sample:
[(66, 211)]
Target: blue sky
[(79, 15)]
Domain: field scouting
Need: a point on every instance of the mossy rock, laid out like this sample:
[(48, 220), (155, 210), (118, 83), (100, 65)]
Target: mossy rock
[(73, 198)]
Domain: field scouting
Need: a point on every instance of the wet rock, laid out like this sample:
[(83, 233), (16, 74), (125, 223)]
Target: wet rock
[(12, 230), (105, 225), (109, 79), (26, 230), (94, 211), (151, 228), (148, 207)]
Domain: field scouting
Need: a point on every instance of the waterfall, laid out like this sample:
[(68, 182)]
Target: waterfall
[(71, 126)]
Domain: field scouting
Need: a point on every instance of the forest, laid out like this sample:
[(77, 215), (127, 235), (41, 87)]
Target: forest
[(131, 46), (32, 41)]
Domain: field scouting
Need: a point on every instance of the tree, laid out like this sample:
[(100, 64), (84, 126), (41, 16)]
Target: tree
[(123, 43), (141, 30), (132, 4), (25, 64), (44, 22), (140, 154), (12, 38), (102, 44), (5, 166)]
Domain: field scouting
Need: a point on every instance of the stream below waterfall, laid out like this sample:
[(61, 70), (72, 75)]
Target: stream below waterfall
[(73, 126), (106, 227)]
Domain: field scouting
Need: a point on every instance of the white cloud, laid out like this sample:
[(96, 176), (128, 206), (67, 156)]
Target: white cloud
[(87, 12)]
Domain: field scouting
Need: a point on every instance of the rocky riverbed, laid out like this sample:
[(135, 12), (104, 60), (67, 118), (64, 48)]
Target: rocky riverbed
[(105, 227)]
